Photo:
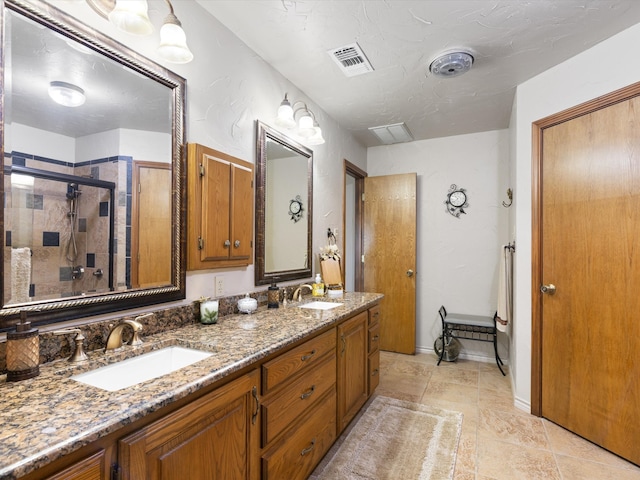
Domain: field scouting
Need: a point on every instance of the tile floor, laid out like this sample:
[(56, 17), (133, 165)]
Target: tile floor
[(498, 441)]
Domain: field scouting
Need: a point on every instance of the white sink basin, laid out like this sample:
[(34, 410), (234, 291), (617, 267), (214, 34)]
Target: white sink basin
[(321, 305), (142, 368)]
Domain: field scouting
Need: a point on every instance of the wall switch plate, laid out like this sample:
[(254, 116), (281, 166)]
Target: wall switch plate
[(219, 286)]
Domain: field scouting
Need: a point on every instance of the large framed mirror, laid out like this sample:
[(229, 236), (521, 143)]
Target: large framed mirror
[(284, 207), (92, 141)]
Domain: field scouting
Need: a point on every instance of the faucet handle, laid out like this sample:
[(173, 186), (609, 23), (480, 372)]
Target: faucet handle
[(78, 354), (137, 328)]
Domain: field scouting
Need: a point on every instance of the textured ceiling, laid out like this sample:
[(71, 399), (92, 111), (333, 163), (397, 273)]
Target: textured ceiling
[(511, 42)]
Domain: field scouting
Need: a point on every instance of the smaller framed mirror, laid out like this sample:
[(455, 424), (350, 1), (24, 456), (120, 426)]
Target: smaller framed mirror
[(284, 207)]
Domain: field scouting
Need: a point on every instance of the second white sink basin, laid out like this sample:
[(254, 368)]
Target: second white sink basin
[(321, 305), (142, 368)]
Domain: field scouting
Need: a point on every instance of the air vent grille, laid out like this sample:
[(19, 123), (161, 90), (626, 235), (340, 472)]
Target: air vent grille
[(351, 60)]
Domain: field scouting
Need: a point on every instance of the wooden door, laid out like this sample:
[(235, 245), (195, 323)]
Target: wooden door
[(590, 252), (151, 225), (352, 367), (390, 256), (214, 437)]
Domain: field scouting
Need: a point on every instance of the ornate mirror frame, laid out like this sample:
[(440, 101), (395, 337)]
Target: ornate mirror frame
[(48, 311), (264, 133)]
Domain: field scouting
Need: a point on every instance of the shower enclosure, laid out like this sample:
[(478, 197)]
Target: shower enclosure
[(60, 234)]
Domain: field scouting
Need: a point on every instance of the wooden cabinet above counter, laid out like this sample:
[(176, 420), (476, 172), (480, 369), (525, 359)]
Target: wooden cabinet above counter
[(220, 209)]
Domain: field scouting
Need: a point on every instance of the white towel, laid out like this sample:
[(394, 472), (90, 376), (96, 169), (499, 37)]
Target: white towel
[(505, 294), (20, 274)]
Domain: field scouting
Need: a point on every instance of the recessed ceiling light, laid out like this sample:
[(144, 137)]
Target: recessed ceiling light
[(451, 64), (66, 94)]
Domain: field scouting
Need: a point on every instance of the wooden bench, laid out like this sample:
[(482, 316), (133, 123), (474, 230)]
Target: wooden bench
[(469, 327)]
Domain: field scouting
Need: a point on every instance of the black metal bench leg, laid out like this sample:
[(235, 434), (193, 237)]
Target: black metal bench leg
[(498, 359), (441, 351)]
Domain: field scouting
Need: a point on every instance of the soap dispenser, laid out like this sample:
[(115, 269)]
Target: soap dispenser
[(273, 296), (23, 351), (318, 287)]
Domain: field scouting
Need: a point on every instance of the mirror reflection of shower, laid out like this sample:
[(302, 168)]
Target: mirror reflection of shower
[(62, 220), (73, 192)]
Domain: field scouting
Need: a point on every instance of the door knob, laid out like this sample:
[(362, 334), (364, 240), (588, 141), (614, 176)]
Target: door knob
[(548, 289), (409, 273)]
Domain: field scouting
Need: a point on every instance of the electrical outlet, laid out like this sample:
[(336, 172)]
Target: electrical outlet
[(219, 286)]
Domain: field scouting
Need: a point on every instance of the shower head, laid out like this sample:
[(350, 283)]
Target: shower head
[(73, 190)]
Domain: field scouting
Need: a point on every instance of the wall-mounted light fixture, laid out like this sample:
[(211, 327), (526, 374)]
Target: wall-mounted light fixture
[(306, 126), (131, 16), (66, 94)]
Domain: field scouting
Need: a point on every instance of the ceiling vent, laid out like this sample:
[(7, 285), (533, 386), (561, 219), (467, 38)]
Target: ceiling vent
[(390, 134), (351, 60)]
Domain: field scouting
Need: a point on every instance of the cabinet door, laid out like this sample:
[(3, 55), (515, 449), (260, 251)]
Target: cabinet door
[(90, 468), (241, 213), (214, 437), (352, 368), (215, 220)]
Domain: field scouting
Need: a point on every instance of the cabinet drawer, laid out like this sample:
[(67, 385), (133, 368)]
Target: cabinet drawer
[(297, 455), (374, 371), (290, 363), (296, 399), (374, 337), (374, 314)]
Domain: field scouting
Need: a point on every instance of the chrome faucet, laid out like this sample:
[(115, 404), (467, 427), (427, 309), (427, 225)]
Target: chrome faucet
[(297, 294), (114, 340)]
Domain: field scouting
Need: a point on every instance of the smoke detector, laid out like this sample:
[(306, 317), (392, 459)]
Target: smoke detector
[(451, 64)]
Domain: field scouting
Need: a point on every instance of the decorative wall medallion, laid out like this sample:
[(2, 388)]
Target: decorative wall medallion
[(295, 208), (456, 200)]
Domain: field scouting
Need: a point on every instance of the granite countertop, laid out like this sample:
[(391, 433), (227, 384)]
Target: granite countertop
[(49, 416)]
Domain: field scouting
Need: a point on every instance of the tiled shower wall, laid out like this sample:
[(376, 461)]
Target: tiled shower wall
[(38, 218)]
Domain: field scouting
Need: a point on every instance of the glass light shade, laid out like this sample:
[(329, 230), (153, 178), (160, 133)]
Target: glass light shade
[(305, 126), (173, 44), (66, 94), (316, 138), (131, 16), (285, 115)]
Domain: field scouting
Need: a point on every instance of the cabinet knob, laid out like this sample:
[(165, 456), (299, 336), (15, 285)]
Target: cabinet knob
[(227, 243), (236, 243)]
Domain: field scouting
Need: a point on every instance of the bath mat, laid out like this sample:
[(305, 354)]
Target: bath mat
[(393, 439)]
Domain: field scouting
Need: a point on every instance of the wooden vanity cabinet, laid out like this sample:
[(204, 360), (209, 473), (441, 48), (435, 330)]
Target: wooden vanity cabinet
[(352, 367), (374, 349), (220, 209), (299, 408), (214, 437)]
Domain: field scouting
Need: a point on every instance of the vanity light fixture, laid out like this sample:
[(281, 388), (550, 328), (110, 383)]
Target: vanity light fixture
[(173, 41), (307, 125), (131, 16), (66, 94)]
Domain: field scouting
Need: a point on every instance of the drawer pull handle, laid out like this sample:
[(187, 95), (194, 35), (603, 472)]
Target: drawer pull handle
[(374, 373), (376, 337), (309, 448), (254, 394), (308, 393), (344, 344), (304, 358), (376, 314)]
